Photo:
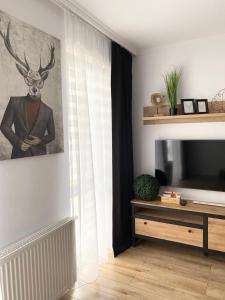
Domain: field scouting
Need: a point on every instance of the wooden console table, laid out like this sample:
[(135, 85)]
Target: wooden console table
[(195, 225)]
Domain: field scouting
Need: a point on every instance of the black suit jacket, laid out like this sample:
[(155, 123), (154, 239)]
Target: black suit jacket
[(43, 127)]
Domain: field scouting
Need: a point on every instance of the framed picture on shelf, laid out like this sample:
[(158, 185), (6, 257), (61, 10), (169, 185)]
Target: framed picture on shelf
[(202, 106), (188, 106)]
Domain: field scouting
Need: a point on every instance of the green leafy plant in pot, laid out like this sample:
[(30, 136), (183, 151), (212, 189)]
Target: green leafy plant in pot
[(171, 80)]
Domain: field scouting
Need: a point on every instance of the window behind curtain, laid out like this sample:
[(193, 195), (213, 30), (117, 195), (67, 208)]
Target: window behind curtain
[(88, 67)]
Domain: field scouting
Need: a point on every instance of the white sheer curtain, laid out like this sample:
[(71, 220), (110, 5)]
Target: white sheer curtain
[(88, 70)]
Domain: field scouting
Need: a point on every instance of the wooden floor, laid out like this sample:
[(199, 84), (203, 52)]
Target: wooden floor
[(157, 271)]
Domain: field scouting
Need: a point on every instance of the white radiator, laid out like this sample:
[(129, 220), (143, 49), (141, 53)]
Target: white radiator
[(41, 266)]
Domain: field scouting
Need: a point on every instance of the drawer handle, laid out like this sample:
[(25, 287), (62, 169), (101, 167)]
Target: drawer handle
[(189, 230), (145, 223)]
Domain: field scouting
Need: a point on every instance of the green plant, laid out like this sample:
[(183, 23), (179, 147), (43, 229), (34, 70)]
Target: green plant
[(171, 80), (146, 187)]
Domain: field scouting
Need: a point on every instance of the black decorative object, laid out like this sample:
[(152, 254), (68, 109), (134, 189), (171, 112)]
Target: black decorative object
[(183, 202), (146, 187), (188, 106), (173, 111), (202, 106)]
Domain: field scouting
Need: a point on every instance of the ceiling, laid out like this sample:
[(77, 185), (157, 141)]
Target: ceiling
[(147, 23)]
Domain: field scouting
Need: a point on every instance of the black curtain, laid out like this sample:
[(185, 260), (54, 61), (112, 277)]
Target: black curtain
[(122, 149)]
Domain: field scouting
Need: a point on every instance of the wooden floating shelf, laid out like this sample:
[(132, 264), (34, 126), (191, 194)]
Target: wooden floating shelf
[(196, 118)]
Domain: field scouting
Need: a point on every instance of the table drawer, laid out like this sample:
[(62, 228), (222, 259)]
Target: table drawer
[(170, 232), (216, 231)]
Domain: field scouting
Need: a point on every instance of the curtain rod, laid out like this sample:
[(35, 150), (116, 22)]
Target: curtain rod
[(92, 20)]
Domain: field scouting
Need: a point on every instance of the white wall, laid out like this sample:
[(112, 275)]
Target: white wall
[(34, 192), (203, 67)]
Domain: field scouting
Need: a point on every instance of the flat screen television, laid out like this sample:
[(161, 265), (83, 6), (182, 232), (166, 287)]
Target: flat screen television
[(193, 164)]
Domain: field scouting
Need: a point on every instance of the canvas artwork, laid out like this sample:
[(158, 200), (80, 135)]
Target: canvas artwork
[(30, 91)]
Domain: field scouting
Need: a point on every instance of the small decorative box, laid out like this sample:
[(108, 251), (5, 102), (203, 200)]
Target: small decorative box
[(171, 197)]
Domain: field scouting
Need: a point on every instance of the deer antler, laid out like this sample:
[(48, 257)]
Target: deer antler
[(51, 63), (10, 49)]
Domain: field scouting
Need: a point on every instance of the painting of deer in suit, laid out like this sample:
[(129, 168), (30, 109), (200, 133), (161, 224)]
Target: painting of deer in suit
[(28, 122)]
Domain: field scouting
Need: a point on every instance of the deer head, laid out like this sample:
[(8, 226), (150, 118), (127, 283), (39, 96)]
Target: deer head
[(34, 79)]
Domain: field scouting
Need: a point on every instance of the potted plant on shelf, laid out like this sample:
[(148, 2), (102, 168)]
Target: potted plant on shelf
[(172, 81)]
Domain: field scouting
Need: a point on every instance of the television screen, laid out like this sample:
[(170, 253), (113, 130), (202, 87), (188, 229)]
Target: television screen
[(195, 164)]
